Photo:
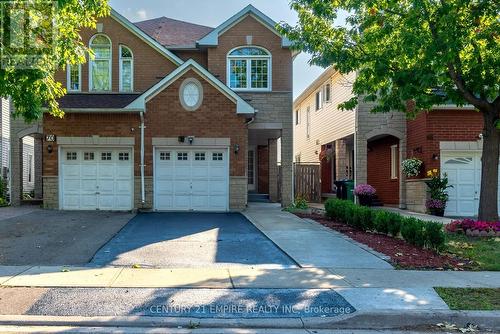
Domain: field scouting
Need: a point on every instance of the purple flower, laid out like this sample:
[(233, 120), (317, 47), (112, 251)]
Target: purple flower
[(435, 204), (364, 190), (472, 225)]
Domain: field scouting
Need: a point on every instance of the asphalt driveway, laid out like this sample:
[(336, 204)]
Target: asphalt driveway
[(43, 237), (187, 240)]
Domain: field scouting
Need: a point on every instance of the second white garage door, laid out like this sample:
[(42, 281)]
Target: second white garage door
[(191, 180)]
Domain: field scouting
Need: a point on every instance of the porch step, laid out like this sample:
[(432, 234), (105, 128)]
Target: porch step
[(258, 198)]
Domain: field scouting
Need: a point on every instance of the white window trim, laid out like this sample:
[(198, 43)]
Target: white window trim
[(308, 123), (297, 116), (394, 162), (325, 89), (318, 102), (248, 59), (110, 65), (68, 78), (121, 70)]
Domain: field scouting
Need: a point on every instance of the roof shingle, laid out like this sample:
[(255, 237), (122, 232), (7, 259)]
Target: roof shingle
[(173, 33), (96, 101)]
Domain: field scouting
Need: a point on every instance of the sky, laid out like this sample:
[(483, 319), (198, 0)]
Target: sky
[(214, 12)]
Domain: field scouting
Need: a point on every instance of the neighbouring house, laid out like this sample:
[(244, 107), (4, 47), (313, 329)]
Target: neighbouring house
[(369, 148), (28, 172), (170, 115)]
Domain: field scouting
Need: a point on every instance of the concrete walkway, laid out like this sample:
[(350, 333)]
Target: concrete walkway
[(310, 244), (12, 212), (242, 278)]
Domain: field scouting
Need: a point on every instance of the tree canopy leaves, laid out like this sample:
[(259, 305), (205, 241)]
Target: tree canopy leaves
[(56, 25), (429, 51)]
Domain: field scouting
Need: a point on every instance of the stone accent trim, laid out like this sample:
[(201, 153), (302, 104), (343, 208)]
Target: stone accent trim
[(96, 140), (212, 142), (51, 192), (148, 187), (461, 145), (238, 193), (416, 195)]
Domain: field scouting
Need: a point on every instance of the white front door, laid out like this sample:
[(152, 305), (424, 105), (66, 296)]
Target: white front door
[(96, 179), (188, 179), (464, 174)]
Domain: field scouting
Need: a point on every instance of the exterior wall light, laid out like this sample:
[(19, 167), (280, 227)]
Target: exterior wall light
[(50, 149), (236, 148)]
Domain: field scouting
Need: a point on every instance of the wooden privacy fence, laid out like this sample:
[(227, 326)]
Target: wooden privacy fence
[(307, 179)]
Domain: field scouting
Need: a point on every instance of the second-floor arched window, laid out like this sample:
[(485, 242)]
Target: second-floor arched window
[(100, 66), (126, 69), (249, 68)]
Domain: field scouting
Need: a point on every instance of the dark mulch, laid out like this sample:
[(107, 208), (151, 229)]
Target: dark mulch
[(403, 255)]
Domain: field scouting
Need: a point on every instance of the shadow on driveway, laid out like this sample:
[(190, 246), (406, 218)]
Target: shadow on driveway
[(187, 240), (45, 237)]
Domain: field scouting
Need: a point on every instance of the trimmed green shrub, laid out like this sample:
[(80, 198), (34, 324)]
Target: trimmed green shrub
[(435, 236), (394, 226), (382, 222), (414, 231)]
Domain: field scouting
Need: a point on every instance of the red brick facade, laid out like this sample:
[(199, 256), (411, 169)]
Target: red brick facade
[(150, 66), (429, 129), (216, 118), (379, 169), (282, 62)]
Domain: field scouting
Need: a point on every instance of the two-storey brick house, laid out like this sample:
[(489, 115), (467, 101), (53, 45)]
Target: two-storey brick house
[(369, 148), (171, 115)]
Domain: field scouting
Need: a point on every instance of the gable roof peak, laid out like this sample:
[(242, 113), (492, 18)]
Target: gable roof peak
[(212, 39)]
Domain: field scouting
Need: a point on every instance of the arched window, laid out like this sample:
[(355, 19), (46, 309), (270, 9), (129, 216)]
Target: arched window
[(126, 69), (249, 68), (100, 66)]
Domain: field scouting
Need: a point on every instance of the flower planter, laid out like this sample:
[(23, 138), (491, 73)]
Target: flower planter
[(365, 200), (436, 212)]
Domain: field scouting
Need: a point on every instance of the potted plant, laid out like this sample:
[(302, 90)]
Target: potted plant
[(412, 167), (438, 186), (365, 193), (436, 207)]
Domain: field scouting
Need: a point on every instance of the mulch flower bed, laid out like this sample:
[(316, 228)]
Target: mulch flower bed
[(402, 254)]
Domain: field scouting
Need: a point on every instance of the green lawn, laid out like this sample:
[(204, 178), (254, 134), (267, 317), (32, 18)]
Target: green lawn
[(468, 299), (485, 252)]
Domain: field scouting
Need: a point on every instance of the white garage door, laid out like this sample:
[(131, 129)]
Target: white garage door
[(191, 180), (96, 179)]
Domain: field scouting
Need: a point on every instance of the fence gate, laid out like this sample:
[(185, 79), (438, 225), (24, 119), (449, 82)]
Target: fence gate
[(308, 181)]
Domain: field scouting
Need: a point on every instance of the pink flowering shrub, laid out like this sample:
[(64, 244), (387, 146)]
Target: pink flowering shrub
[(364, 190), (462, 226)]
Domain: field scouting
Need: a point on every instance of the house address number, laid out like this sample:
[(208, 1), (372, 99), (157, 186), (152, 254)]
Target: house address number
[(50, 138)]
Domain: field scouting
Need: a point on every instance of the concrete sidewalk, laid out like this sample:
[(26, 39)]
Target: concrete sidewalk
[(310, 244), (244, 277)]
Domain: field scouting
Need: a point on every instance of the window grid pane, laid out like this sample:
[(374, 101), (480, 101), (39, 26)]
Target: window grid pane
[(164, 156), (123, 156), (71, 156), (182, 156), (88, 156), (238, 73), (100, 75), (74, 77), (106, 156), (199, 156), (126, 75), (217, 156), (259, 73)]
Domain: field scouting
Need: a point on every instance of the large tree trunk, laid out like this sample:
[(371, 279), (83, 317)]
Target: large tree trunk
[(488, 202)]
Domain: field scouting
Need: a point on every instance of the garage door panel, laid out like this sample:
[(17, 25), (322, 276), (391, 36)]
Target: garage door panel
[(466, 176), (190, 179), (164, 187), (97, 180), (71, 171), (89, 171), (89, 185), (71, 186)]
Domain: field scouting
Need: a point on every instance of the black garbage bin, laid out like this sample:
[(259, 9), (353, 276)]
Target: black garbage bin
[(341, 189)]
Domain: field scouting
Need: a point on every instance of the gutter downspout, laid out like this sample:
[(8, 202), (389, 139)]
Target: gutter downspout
[(143, 193)]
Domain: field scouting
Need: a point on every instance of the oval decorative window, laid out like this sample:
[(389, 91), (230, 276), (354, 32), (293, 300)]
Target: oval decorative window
[(191, 94)]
